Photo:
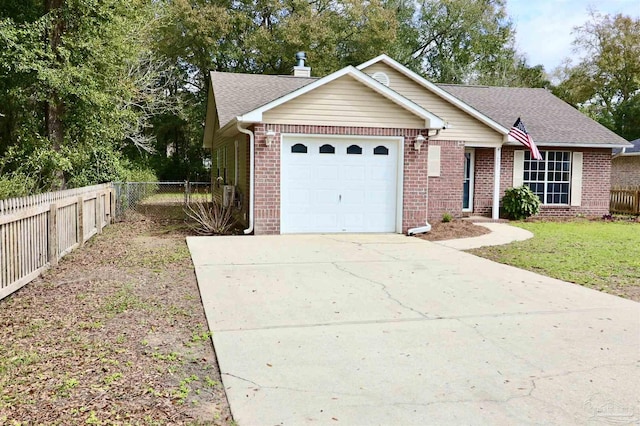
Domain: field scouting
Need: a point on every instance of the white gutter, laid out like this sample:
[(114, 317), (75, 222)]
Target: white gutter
[(241, 129)]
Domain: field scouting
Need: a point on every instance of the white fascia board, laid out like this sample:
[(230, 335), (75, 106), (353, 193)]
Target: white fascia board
[(472, 144), (436, 90), (572, 145), (431, 120)]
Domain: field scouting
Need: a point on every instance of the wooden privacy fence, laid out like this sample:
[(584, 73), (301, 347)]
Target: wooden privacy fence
[(37, 231), (626, 201)]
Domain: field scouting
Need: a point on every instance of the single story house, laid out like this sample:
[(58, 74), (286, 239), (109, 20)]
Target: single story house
[(625, 167), (378, 148)]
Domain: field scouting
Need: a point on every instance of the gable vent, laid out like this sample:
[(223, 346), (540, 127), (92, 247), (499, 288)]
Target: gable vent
[(381, 77)]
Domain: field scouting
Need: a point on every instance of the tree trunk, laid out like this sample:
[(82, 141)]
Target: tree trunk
[(54, 108)]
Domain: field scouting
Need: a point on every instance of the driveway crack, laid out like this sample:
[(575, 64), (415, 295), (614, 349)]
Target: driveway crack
[(383, 287)]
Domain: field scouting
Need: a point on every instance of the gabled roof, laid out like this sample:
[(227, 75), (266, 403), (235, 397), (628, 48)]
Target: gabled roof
[(548, 119), (438, 91), (236, 94), (251, 106)]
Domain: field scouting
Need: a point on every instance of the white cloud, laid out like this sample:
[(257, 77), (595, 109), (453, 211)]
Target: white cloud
[(544, 27)]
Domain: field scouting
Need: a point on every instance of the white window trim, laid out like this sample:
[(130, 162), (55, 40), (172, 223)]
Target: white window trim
[(472, 167), (547, 182)]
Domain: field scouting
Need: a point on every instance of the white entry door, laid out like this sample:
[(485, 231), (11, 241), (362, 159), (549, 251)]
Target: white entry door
[(338, 185)]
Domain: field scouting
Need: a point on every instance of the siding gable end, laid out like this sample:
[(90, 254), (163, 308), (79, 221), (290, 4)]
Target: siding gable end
[(462, 126), (343, 102)]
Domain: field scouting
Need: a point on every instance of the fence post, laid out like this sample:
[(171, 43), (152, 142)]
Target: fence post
[(99, 213), (53, 235), (637, 203), (80, 224), (186, 192), (112, 205)]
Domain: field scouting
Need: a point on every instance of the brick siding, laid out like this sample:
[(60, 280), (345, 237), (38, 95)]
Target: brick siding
[(596, 182), (445, 191), (267, 175), (625, 172)]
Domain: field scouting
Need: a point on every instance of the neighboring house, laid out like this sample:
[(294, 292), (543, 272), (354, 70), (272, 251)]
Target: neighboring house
[(625, 167), (377, 148)]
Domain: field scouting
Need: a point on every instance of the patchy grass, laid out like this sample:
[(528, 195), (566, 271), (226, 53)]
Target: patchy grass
[(601, 255), (115, 334)]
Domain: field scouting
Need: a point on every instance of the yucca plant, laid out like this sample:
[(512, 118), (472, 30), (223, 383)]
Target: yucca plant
[(210, 218)]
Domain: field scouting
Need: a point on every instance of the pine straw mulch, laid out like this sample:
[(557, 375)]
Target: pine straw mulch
[(116, 334), (453, 230)]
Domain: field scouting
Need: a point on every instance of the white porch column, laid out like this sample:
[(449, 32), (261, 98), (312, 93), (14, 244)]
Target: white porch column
[(497, 155)]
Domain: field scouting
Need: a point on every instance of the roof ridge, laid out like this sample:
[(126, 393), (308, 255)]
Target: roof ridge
[(263, 75), (484, 86)]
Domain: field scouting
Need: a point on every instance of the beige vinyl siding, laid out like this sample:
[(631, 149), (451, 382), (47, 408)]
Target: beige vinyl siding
[(343, 102), (463, 126), (242, 183)]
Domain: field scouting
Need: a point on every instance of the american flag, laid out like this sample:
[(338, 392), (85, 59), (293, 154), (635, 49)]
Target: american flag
[(519, 133)]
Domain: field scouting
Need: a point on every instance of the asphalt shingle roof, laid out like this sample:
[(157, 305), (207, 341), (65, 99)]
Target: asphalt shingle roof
[(548, 119), (236, 94), (636, 146)]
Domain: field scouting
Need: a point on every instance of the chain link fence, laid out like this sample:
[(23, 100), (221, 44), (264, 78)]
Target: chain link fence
[(158, 200)]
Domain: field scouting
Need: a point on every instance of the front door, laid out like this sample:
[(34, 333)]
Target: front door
[(467, 192)]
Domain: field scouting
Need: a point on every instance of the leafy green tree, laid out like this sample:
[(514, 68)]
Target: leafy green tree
[(463, 41), (78, 84), (605, 83)]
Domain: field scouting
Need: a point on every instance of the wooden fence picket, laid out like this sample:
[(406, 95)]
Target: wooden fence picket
[(36, 231)]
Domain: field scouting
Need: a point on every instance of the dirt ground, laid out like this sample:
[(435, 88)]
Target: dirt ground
[(115, 334), (452, 230)]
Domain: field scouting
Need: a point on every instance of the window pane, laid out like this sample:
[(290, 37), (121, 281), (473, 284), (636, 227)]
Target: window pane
[(380, 150), (299, 148), (327, 149), (354, 149), (550, 178)]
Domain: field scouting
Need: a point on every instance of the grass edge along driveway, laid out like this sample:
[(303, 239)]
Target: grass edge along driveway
[(601, 255)]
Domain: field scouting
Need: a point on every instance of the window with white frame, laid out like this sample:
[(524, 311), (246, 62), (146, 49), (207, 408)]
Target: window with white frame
[(549, 178)]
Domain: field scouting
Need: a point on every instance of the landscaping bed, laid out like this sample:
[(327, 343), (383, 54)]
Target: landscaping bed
[(116, 334), (453, 230)]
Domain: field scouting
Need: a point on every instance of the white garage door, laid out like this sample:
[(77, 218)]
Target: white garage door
[(338, 185)]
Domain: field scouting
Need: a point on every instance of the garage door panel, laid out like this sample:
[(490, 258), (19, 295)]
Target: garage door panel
[(353, 197), (354, 222), (354, 172), (298, 173), (326, 172), (339, 192)]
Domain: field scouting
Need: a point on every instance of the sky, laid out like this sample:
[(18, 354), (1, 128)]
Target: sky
[(544, 27)]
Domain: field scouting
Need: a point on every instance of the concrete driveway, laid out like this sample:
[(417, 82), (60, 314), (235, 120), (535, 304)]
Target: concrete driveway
[(392, 330)]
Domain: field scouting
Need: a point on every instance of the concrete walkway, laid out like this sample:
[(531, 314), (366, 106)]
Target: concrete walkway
[(393, 330), (501, 233)]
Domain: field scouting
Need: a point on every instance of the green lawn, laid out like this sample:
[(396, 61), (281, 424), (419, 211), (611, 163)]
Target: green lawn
[(601, 255)]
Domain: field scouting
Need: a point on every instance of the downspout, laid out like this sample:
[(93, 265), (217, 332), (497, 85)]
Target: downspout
[(427, 225), (241, 129)]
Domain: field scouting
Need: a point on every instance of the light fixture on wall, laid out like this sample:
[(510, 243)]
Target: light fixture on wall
[(417, 144), (271, 137)]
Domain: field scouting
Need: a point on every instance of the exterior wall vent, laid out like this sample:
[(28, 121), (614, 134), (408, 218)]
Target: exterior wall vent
[(381, 77)]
